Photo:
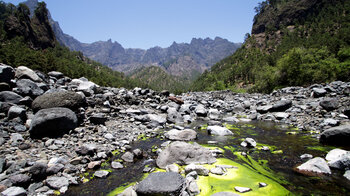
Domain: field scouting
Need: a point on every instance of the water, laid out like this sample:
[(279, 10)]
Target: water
[(277, 164)]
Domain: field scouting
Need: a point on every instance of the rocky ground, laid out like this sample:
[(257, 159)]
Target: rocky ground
[(53, 128)]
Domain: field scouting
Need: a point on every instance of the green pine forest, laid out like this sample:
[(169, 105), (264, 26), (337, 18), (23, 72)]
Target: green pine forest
[(315, 50)]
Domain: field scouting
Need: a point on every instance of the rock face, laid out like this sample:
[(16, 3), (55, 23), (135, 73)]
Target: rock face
[(337, 135), (315, 165), (161, 183), (52, 122), (183, 153), (217, 130), (66, 99), (181, 135)]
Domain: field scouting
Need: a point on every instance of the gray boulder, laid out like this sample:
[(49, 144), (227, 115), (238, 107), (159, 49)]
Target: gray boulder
[(281, 106), (52, 122), (338, 159), (181, 135), (200, 110), (217, 130), (38, 171), (66, 99), (316, 165), (329, 104), (55, 74), (101, 174), (57, 182), (174, 116), (319, 92), (26, 73), (183, 153), (264, 109), (16, 111), (14, 191), (336, 135), (199, 169), (248, 142), (347, 175), (7, 73), (21, 180), (26, 87), (128, 157), (161, 183), (11, 97)]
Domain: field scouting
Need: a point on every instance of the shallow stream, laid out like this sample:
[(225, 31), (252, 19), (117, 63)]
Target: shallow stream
[(274, 167)]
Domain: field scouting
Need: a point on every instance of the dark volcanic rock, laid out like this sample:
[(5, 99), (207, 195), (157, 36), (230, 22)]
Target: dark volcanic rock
[(66, 99), (38, 171), (21, 180), (27, 87), (7, 73), (281, 106), (183, 153), (52, 122), (11, 97), (161, 183), (337, 135), (329, 104)]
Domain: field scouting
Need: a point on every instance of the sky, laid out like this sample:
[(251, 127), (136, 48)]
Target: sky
[(148, 23)]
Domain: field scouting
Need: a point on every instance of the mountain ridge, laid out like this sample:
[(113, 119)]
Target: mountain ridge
[(201, 53)]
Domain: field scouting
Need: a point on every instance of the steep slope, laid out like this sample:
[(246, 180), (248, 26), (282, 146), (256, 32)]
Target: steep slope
[(30, 42), (297, 42), (158, 79)]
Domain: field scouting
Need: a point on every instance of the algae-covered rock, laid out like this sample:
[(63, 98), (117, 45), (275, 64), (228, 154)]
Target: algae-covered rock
[(183, 153)]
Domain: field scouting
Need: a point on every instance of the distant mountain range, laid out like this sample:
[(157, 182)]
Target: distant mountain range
[(180, 59)]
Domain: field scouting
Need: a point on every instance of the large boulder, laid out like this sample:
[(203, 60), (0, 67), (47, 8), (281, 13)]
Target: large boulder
[(315, 165), (183, 153), (52, 122), (329, 104), (85, 86), (10, 97), (161, 183), (217, 130), (338, 159), (26, 87), (200, 110), (57, 182), (281, 106), (14, 191), (66, 99), (7, 73), (336, 135), (181, 135), (26, 73)]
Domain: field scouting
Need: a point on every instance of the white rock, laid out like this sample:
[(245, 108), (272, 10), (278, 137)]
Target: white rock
[(217, 130), (317, 165), (242, 189)]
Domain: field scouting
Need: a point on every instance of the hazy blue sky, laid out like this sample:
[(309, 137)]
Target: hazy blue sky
[(148, 23)]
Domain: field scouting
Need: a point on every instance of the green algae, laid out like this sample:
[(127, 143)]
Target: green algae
[(277, 152), (204, 127), (115, 152), (124, 186), (325, 149), (244, 176), (142, 137)]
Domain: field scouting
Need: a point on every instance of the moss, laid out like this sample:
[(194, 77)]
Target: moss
[(57, 192), (231, 126), (243, 176), (85, 180), (104, 164)]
